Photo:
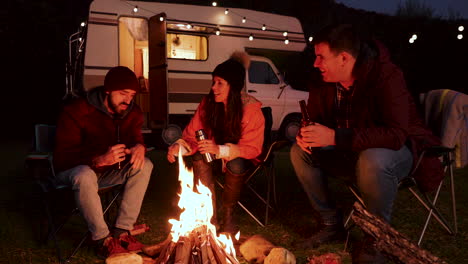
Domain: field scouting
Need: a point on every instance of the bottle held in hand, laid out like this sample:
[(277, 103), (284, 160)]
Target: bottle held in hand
[(306, 121), (200, 135)]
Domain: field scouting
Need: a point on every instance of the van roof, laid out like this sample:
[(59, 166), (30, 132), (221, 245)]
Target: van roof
[(199, 15)]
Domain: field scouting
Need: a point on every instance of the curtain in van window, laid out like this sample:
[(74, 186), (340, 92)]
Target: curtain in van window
[(138, 27)]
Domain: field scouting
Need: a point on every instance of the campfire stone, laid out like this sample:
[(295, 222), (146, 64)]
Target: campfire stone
[(255, 249), (280, 256), (125, 258)]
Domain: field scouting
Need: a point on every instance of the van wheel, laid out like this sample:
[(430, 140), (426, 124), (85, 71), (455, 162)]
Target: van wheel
[(171, 134), (290, 127)]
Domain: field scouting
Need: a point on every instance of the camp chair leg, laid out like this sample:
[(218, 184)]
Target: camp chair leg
[(52, 231), (452, 190), (243, 207), (86, 235)]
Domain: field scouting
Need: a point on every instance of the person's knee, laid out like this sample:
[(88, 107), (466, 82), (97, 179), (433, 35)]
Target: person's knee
[(373, 160), (238, 166), (295, 151), (147, 167), (83, 176)]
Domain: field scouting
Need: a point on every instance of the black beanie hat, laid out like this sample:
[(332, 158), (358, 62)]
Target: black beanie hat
[(233, 70), (121, 78)]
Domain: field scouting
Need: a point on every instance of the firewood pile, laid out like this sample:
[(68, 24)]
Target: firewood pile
[(389, 241), (200, 247)]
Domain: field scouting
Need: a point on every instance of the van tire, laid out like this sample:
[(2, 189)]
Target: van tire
[(288, 129)]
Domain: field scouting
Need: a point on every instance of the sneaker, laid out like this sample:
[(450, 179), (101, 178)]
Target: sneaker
[(109, 247), (130, 243), (327, 234)]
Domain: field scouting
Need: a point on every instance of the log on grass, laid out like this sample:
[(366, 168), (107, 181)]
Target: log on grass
[(389, 241)]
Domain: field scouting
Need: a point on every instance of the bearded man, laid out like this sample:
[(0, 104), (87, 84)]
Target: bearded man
[(99, 143)]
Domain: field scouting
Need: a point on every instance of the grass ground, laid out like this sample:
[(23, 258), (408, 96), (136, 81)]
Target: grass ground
[(292, 220)]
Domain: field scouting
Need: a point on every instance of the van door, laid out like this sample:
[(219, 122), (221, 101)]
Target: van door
[(157, 72), (264, 84)]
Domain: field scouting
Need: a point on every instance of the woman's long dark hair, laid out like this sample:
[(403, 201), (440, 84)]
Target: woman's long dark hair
[(225, 127)]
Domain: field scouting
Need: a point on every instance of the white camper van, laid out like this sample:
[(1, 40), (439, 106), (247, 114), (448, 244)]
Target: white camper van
[(173, 48)]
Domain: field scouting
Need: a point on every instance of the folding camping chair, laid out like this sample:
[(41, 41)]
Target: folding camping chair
[(263, 167), (446, 155), (40, 166)]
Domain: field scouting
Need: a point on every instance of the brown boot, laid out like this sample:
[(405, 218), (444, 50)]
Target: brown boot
[(232, 190), (204, 172)]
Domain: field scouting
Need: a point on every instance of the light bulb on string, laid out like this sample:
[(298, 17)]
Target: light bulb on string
[(218, 32), (285, 34), (461, 28), (263, 27), (251, 37), (189, 26), (411, 40), (244, 19), (415, 37), (311, 38), (226, 11), (214, 4), (286, 41), (460, 36), (83, 24), (135, 9), (161, 18)]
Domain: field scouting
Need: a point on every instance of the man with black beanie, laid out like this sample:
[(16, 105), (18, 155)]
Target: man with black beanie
[(99, 143)]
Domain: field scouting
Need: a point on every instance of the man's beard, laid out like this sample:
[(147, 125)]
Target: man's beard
[(115, 107)]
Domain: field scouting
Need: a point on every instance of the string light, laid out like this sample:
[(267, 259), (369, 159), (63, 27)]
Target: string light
[(461, 28), (311, 38), (411, 40), (83, 24), (415, 37), (460, 36), (217, 32)]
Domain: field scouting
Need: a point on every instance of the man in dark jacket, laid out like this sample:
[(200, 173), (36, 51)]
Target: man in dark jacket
[(365, 120), (99, 143)]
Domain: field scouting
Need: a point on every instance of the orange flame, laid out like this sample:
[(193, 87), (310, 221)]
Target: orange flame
[(197, 210)]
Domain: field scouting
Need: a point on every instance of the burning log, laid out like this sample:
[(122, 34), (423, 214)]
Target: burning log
[(391, 242), (166, 253), (153, 250), (193, 237), (183, 250)]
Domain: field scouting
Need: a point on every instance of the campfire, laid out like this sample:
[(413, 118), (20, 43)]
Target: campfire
[(193, 239)]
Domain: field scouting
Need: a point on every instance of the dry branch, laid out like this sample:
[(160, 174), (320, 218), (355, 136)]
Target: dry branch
[(389, 241)]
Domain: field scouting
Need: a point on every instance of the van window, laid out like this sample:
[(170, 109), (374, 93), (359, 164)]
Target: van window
[(189, 47), (260, 72)]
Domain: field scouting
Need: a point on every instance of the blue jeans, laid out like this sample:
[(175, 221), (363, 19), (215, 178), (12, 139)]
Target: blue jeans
[(85, 183), (376, 172)]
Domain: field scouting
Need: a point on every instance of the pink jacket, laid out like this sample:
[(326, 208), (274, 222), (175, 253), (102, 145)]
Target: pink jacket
[(253, 126)]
